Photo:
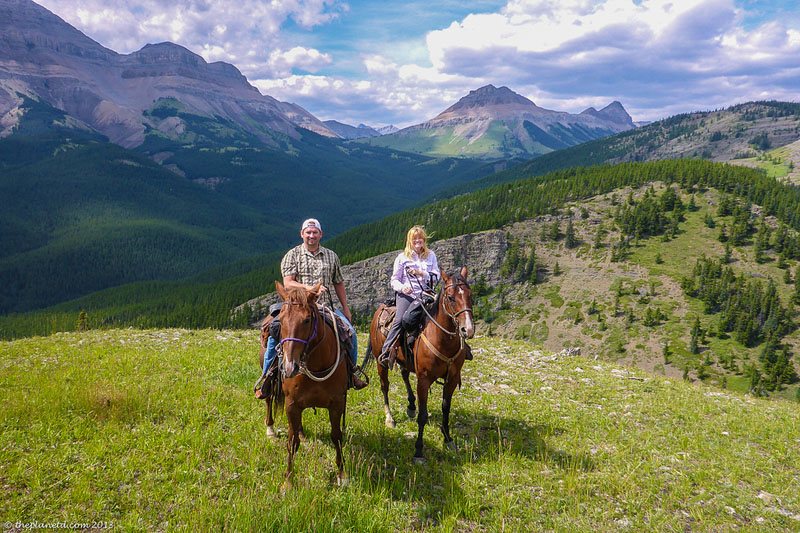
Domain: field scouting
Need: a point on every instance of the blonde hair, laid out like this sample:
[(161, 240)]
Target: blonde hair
[(416, 231)]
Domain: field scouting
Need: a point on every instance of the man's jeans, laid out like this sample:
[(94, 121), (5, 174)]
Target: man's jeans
[(269, 355)]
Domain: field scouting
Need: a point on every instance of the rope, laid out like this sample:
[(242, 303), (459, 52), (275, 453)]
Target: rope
[(310, 374)]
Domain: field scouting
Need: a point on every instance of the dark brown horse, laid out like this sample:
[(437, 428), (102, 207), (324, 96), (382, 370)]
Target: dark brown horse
[(438, 353), (314, 370)]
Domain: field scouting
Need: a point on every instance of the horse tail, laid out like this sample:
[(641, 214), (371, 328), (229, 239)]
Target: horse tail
[(278, 400), (367, 357)]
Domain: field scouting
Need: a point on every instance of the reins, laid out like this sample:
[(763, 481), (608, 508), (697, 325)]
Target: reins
[(325, 374), (454, 320)]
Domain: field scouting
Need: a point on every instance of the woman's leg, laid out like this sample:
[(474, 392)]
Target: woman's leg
[(403, 301)]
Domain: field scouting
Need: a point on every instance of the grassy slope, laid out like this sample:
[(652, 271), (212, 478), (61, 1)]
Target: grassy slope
[(157, 430), (556, 313)]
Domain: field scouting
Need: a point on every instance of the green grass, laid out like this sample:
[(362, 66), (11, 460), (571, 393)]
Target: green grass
[(157, 430)]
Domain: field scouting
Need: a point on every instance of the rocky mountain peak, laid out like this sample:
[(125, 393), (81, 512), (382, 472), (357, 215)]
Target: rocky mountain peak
[(30, 32), (613, 112), (167, 52), (487, 96)]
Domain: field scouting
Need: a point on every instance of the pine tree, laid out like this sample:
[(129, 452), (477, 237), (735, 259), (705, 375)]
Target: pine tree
[(531, 267), (555, 231), (570, 240), (796, 294), (598, 238), (695, 336), (83, 322)]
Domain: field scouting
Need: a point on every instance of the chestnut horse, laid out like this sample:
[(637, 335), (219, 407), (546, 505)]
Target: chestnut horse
[(314, 370), (438, 353)]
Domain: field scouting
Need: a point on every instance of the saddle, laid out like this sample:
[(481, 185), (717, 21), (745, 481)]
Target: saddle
[(272, 327), (412, 325)]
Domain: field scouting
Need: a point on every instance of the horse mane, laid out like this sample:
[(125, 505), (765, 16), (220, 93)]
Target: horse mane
[(458, 278), (297, 295)]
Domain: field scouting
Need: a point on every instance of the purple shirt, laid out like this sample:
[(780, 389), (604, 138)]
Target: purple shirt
[(401, 278)]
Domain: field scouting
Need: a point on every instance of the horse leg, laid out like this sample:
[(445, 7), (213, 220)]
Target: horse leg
[(270, 420), (383, 374), (447, 396), (423, 385), (336, 413), (295, 416), (412, 401)]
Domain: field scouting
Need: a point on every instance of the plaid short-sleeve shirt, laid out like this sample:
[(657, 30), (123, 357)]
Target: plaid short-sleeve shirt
[(310, 269)]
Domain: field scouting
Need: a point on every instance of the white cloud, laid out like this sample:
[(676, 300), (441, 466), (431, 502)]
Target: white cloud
[(658, 57), (231, 29), (281, 62)]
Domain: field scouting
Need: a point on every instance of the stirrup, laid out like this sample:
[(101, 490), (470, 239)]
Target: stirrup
[(257, 388), (387, 358)]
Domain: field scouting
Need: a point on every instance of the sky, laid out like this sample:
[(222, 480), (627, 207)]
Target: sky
[(402, 62)]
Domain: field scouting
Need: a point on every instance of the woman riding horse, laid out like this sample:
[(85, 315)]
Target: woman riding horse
[(438, 353)]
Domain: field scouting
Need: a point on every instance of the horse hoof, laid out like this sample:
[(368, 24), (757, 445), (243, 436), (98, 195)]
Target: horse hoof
[(271, 433), (343, 481), (451, 445), (390, 423), (419, 460), (412, 413), (286, 487)]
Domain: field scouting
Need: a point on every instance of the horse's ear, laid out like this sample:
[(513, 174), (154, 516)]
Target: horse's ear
[(313, 293), (464, 271), (281, 290), (444, 274)]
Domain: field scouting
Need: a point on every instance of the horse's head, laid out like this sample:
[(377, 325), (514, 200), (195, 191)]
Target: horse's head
[(456, 300), (298, 319)]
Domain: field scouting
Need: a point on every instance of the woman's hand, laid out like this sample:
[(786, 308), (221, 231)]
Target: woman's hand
[(406, 290)]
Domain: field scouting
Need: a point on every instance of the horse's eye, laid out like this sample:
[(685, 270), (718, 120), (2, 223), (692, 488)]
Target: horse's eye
[(306, 321)]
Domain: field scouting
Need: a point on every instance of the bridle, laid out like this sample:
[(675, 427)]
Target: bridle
[(325, 374), (453, 316)]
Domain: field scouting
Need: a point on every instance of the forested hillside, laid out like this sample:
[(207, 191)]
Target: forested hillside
[(83, 214), (739, 134), (492, 208), (683, 267)]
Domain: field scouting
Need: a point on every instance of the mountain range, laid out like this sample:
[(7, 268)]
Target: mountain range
[(158, 165), (497, 123), (42, 55)]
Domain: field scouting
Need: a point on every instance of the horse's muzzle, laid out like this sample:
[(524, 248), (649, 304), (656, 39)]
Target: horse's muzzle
[(467, 331), (290, 369)]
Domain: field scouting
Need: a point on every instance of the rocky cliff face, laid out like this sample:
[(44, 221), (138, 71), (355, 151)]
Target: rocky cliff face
[(43, 56), (367, 281)]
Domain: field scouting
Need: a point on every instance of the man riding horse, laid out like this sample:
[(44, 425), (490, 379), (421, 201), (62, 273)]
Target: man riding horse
[(304, 266)]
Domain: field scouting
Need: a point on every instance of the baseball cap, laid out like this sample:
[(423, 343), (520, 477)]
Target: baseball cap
[(311, 223)]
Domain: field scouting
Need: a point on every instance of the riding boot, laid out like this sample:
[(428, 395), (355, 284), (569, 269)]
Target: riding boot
[(387, 358), (354, 381), (258, 387)]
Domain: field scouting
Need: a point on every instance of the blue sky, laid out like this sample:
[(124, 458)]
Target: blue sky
[(403, 62)]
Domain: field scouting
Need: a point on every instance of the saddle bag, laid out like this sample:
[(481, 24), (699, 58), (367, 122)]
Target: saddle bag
[(415, 314)]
